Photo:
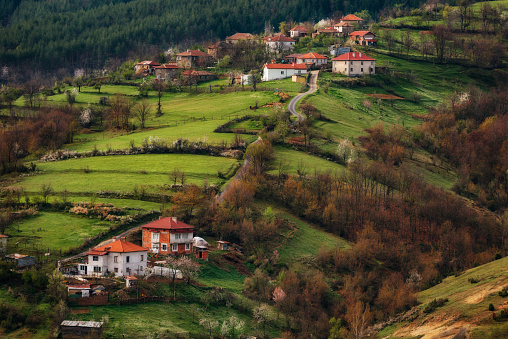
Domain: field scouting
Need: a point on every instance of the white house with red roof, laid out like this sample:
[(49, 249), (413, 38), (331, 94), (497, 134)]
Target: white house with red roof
[(298, 31), (364, 38), (168, 236), (278, 43), (275, 71), (119, 257), (354, 64), (312, 59)]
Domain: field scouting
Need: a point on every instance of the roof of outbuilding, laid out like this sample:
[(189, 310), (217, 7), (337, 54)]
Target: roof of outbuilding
[(192, 52), (351, 17), (361, 33), (312, 55), (299, 29)]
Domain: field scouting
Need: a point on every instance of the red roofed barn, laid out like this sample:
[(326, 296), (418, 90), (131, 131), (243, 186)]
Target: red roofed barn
[(168, 236), (354, 64), (119, 257)]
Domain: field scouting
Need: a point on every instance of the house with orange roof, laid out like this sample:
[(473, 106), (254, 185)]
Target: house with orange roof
[(167, 71), (312, 59), (298, 31), (168, 236), (193, 58), (352, 19), (278, 43), (239, 36), (364, 38), (119, 257), (344, 28), (275, 71), (146, 67), (354, 64)]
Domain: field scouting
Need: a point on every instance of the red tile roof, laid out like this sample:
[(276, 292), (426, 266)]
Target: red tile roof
[(286, 66), (299, 29), (167, 224), (118, 246), (296, 55), (343, 24), (239, 36), (312, 55), (167, 66), (193, 52), (351, 17), (353, 56), (148, 62), (361, 33), (278, 37)]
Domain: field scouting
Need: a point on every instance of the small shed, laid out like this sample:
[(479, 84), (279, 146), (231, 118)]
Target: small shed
[(21, 260), (81, 329), (202, 252), (131, 281), (78, 291), (223, 245), (299, 78)]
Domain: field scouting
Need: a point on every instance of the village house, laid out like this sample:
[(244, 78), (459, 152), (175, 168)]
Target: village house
[(278, 43), (222, 245), (239, 36), (194, 76), (312, 59), (327, 31), (3, 244), (243, 79), (364, 38), (352, 19), (146, 67), (168, 236), (192, 58), (78, 291), (292, 57), (119, 257), (354, 64), (21, 260), (219, 49), (166, 71), (281, 71), (344, 28), (298, 32)]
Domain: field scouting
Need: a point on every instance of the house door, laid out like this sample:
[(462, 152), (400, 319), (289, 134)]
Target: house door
[(86, 270)]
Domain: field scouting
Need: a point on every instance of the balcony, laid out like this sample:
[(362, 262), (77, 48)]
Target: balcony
[(181, 241)]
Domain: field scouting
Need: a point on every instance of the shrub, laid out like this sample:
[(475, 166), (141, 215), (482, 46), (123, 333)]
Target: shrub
[(491, 307), (431, 307)]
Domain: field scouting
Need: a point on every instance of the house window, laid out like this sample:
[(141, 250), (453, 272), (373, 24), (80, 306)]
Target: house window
[(281, 72), (187, 247), (185, 235), (345, 62), (141, 257), (97, 269), (178, 236), (82, 267), (362, 62), (174, 247), (351, 69), (361, 70), (164, 247), (116, 269), (155, 236), (299, 71), (115, 259), (95, 258), (351, 62), (127, 259)]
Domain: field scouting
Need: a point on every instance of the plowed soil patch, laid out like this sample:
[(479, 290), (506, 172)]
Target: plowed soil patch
[(385, 96)]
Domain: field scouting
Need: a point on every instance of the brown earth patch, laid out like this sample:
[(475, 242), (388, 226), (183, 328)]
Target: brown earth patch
[(384, 96)]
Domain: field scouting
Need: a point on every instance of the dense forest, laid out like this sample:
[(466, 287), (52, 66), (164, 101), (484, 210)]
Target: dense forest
[(48, 34)]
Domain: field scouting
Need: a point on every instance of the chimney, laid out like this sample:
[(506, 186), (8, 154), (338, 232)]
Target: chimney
[(360, 55), (353, 55), (273, 61), (122, 238), (174, 219)]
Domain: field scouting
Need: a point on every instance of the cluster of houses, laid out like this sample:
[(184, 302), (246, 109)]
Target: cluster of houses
[(293, 64), (166, 236)]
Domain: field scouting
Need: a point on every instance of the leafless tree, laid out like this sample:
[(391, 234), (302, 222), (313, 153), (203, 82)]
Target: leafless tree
[(142, 111)]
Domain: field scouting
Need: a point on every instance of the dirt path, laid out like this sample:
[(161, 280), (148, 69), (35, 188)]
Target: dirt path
[(313, 88)]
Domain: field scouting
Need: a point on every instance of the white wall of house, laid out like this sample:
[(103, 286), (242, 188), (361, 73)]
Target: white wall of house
[(276, 73), (120, 264), (354, 68)]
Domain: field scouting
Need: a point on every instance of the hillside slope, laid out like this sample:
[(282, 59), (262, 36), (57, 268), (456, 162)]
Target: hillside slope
[(467, 308)]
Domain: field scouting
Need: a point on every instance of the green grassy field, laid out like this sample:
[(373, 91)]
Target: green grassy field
[(123, 173), (156, 319), (55, 231), (292, 160), (229, 278)]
